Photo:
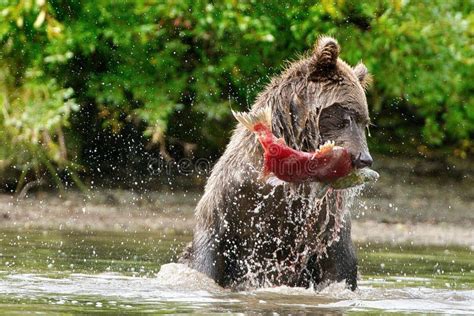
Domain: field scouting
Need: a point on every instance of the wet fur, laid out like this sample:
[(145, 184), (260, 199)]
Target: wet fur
[(225, 232)]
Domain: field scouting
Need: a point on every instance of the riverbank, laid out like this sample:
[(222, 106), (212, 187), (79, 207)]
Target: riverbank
[(67, 214), (411, 203)]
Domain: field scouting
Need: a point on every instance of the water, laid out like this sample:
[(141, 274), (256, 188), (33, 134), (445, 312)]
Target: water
[(63, 272)]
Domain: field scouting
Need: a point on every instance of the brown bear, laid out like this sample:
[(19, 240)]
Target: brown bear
[(252, 234)]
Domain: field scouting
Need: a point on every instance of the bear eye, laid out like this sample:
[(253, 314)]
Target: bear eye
[(345, 122)]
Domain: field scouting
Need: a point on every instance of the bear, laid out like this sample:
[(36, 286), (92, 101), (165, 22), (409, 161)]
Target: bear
[(251, 234)]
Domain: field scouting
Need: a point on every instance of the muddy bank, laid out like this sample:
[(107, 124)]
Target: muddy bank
[(414, 190), (403, 206)]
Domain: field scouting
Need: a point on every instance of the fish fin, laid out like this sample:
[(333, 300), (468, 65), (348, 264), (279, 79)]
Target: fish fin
[(274, 181), (262, 115)]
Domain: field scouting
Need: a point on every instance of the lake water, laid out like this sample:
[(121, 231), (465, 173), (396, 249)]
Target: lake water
[(88, 272)]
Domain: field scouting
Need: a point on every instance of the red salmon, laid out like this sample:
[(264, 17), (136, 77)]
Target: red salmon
[(327, 164)]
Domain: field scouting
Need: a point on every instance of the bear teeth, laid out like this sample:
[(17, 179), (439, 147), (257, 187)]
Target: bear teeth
[(328, 145)]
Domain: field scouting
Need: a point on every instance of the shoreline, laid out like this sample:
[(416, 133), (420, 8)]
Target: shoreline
[(172, 212), (417, 234)]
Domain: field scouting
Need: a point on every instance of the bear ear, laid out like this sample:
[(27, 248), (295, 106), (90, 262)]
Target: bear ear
[(363, 75), (325, 54)]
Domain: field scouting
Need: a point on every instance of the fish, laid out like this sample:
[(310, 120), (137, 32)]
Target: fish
[(356, 178), (283, 164)]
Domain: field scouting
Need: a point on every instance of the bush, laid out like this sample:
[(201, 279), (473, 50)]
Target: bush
[(175, 67)]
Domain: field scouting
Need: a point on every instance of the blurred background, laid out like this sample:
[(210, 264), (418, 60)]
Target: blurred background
[(94, 90), (118, 94)]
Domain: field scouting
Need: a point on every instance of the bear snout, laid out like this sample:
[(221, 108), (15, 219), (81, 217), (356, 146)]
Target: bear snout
[(362, 160)]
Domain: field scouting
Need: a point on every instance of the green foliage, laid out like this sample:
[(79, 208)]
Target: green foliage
[(175, 67)]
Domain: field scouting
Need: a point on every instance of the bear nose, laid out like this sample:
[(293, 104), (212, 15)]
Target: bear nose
[(363, 160)]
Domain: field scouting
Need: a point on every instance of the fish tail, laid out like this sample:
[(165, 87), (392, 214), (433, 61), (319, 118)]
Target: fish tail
[(250, 120)]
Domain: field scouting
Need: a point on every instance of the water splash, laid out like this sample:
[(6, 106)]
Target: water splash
[(316, 214), (114, 292), (178, 276)]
